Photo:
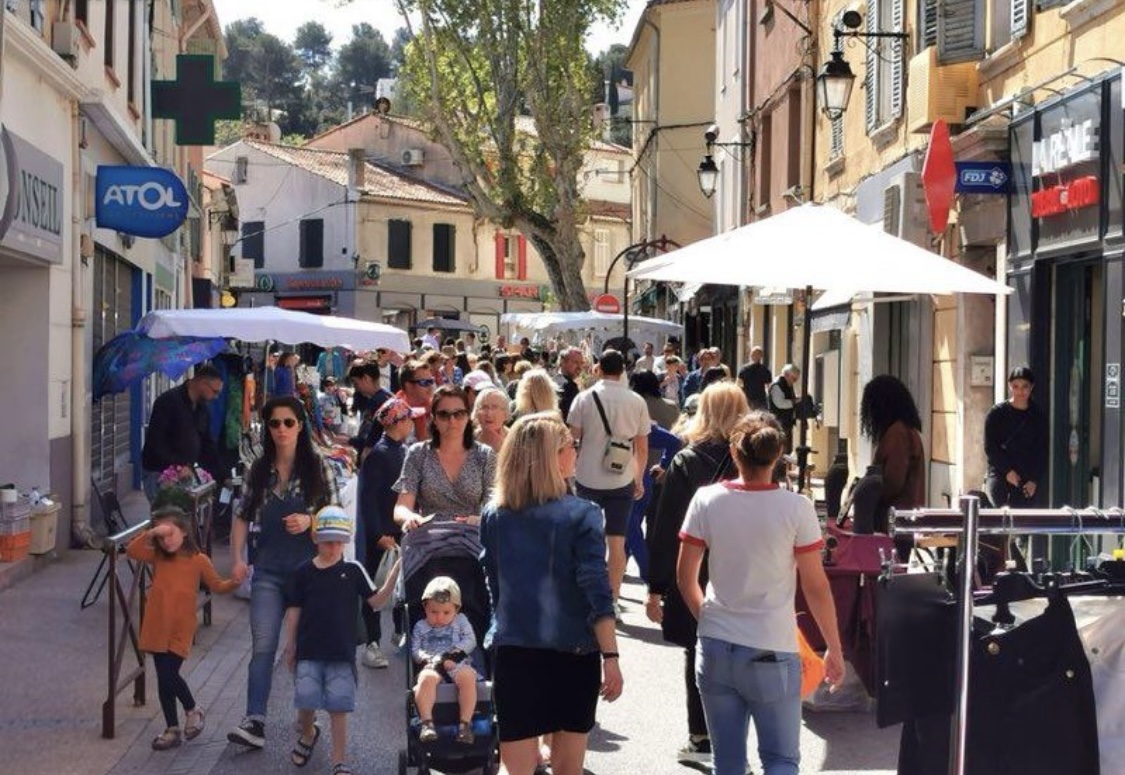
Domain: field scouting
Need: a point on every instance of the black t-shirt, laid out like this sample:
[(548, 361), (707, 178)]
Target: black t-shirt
[(755, 378), (327, 599)]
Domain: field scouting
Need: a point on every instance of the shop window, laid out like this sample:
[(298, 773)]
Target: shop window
[(444, 245), (311, 251), (254, 242), (398, 244)]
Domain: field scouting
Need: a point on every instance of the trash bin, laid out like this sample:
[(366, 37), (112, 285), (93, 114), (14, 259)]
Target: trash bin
[(44, 524), (15, 531)]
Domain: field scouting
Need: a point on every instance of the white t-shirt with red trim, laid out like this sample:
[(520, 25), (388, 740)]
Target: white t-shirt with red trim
[(754, 534)]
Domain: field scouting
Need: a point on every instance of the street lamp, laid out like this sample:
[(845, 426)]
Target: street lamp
[(835, 80), (632, 254), (708, 171)]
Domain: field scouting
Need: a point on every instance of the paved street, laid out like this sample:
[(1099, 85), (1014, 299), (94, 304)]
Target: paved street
[(55, 680)]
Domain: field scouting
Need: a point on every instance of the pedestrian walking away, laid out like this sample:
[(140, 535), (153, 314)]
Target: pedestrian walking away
[(285, 487), (757, 537), (170, 617), (320, 627)]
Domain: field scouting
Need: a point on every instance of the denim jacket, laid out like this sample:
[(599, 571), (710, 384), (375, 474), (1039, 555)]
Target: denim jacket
[(547, 576)]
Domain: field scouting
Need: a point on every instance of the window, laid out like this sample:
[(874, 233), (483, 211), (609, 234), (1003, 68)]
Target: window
[(765, 165), (884, 74), (110, 23), (311, 252), (1011, 20), (836, 146), (444, 243), (398, 245), (601, 252), (511, 257), (38, 14), (795, 152), (928, 24), (254, 242), (131, 64), (960, 31)]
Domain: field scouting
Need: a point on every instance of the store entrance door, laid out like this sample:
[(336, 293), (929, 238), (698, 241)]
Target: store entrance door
[(1075, 387)]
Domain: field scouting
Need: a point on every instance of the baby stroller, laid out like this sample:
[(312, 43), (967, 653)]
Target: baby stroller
[(448, 549)]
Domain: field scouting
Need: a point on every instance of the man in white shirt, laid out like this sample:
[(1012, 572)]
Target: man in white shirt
[(611, 481), (646, 362)]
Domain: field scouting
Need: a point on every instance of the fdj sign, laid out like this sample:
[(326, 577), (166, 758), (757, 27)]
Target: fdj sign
[(983, 177), (144, 201)]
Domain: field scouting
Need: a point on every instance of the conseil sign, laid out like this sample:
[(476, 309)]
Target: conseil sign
[(142, 201), (31, 199)]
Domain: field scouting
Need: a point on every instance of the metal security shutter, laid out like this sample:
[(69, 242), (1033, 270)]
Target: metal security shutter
[(960, 31), (871, 71), (112, 314)]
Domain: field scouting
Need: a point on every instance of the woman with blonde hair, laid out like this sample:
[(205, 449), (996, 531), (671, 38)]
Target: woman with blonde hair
[(553, 619), (535, 393), (706, 459), (490, 417)]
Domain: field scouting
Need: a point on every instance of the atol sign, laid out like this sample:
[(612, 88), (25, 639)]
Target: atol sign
[(143, 201)]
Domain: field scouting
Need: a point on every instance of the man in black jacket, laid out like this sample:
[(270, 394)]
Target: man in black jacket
[(571, 361), (178, 431), (754, 377)]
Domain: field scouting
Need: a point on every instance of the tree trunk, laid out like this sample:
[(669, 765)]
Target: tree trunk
[(563, 269)]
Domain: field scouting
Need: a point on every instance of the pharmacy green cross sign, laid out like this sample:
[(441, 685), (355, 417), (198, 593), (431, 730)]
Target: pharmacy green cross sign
[(195, 100)]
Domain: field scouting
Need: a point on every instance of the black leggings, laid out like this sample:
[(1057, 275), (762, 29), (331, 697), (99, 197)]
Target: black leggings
[(696, 721), (171, 686)]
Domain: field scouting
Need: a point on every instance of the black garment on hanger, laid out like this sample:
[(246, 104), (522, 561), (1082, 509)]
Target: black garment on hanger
[(1031, 703)]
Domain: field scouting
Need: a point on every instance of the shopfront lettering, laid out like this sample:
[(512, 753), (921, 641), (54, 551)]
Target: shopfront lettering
[(151, 196), (1055, 200), (519, 292), (39, 204), (315, 284), (1069, 146)]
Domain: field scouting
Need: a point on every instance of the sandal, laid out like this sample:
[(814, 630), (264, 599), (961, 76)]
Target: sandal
[(427, 733), (303, 751), (465, 734), (169, 739), (340, 768), (194, 724)]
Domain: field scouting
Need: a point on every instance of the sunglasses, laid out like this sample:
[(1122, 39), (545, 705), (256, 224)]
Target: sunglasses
[(288, 422), (422, 382), (456, 414)]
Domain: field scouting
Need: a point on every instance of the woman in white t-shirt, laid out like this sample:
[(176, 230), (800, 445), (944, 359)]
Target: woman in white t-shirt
[(757, 537)]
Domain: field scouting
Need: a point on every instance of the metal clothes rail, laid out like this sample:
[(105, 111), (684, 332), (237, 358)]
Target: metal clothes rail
[(970, 522)]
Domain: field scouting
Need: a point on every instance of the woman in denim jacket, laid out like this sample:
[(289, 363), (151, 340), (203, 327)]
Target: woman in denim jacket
[(553, 618)]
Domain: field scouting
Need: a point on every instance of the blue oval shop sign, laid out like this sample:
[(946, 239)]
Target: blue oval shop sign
[(143, 201)]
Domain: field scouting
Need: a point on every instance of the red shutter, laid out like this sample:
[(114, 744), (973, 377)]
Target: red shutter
[(522, 274), (499, 256)]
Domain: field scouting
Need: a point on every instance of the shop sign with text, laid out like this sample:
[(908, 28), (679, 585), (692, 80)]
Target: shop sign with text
[(142, 201), (530, 292), (31, 199)]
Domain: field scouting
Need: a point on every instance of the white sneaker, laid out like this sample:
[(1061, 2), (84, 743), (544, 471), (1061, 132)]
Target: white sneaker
[(373, 657)]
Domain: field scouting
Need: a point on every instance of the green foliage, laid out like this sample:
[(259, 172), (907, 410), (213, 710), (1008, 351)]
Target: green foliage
[(173, 496), (360, 63), (271, 74), (313, 44)]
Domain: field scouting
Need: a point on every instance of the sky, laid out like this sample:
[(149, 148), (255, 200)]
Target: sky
[(283, 17)]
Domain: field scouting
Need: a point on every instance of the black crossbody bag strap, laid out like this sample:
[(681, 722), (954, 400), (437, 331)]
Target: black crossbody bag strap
[(601, 411)]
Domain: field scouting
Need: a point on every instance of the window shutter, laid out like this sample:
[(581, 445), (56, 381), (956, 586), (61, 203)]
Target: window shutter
[(522, 265), (443, 248), (837, 148), (254, 242), (871, 72), (311, 249), (960, 31), (898, 65), (501, 244), (1021, 18), (398, 244), (928, 13)]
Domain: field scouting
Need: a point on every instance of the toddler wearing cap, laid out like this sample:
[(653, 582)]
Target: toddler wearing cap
[(441, 643), (321, 627)]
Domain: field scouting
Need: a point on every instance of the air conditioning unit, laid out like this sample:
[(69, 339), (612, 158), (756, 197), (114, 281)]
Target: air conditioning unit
[(242, 273), (65, 38), (934, 91), (413, 157), (241, 164), (905, 214)]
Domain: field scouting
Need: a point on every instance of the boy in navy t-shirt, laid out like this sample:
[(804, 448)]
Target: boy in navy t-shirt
[(321, 626)]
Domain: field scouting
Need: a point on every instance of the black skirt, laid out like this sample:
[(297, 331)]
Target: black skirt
[(538, 691)]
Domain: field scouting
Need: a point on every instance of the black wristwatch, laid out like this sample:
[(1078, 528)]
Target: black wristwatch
[(610, 655)]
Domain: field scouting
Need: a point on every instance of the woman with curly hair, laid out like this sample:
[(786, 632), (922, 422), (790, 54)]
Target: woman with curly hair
[(889, 418), (286, 485)]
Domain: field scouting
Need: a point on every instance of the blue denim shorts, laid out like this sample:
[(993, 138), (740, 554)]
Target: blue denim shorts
[(328, 686)]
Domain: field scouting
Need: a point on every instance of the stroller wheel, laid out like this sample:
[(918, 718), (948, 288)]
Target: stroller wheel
[(402, 760)]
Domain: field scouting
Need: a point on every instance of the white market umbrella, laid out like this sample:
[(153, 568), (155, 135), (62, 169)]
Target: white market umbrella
[(261, 324), (551, 323), (816, 246)]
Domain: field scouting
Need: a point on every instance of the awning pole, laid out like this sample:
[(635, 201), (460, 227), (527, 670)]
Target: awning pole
[(806, 355)]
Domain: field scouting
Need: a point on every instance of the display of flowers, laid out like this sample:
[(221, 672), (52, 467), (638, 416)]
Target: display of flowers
[(174, 484)]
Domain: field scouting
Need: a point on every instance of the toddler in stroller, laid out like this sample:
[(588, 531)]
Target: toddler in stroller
[(440, 564)]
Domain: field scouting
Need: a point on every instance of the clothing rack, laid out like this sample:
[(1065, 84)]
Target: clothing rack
[(971, 521)]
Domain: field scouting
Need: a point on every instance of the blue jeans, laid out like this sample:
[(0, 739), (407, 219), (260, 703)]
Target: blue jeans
[(737, 686), (267, 613), (635, 545)]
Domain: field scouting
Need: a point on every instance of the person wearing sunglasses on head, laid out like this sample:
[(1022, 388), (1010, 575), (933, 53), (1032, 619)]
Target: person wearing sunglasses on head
[(417, 381), (286, 485), (450, 476)]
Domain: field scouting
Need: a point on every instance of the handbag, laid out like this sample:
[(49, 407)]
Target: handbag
[(812, 666), (390, 557), (618, 455)]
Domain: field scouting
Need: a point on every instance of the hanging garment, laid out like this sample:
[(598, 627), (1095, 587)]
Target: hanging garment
[(1031, 697), (1105, 648)]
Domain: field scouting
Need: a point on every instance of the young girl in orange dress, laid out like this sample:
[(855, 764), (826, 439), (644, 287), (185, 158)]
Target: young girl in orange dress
[(170, 617)]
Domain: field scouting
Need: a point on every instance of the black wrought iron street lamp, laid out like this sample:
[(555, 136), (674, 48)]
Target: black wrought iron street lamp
[(633, 254), (835, 80), (708, 171)]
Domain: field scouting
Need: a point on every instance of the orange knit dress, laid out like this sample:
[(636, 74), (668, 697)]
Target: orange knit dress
[(171, 617)]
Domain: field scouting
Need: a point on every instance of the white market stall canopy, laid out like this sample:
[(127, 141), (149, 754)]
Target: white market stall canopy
[(261, 324), (530, 324), (816, 246)]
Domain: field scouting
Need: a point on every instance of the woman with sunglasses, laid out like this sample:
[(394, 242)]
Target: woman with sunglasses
[(284, 488), (450, 476)]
